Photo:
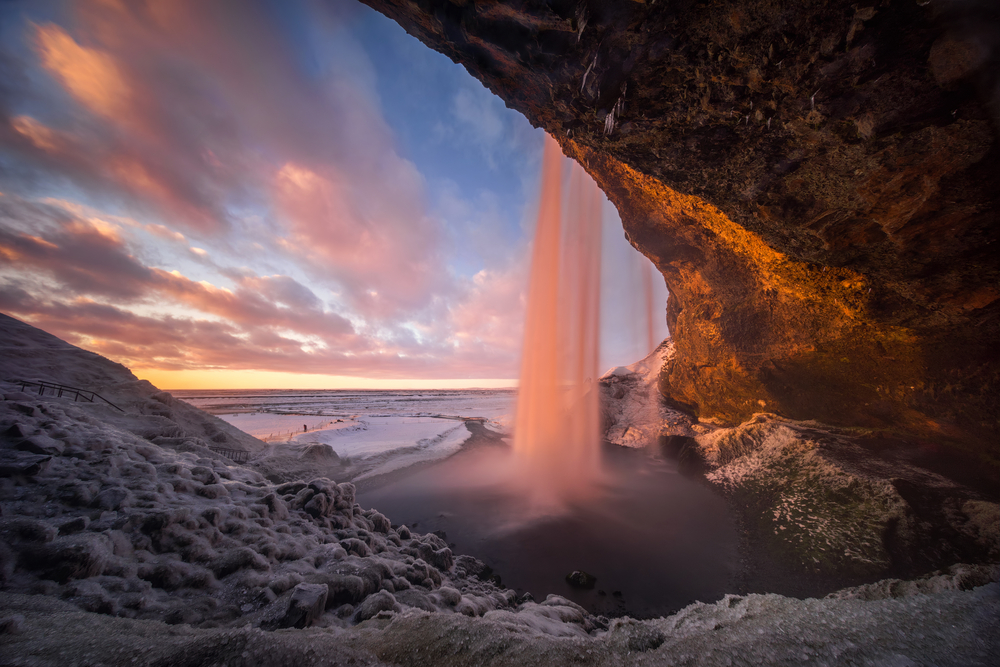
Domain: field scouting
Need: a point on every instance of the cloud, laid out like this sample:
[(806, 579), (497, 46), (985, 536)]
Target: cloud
[(475, 110), (40, 136), (190, 194), (89, 75), (172, 343), (83, 256), (91, 258), (383, 250), (195, 112), (478, 121)]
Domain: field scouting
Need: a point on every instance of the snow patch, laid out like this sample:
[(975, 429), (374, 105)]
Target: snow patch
[(634, 414)]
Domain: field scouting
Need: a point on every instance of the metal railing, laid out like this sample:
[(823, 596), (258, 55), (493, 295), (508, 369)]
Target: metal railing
[(234, 455), (59, 390)]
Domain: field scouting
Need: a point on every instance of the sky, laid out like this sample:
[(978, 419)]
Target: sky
[(286, 194)]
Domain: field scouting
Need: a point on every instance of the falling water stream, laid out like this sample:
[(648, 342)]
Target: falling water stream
[(557, 426), (560, 498)]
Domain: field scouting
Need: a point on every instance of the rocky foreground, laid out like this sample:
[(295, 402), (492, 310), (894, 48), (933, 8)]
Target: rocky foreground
[(125, 538)]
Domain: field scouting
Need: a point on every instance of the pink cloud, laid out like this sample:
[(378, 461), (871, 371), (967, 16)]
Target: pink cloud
[(370, 235), (186, 115)]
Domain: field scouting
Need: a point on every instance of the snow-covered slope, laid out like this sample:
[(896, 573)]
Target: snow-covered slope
[(30, 354)]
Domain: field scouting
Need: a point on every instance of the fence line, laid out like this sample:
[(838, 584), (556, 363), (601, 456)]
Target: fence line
[(59, 389), (234, 455), (283, 436)]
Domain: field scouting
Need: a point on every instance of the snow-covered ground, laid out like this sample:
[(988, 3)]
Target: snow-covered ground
[(290, 409), (376, 431)]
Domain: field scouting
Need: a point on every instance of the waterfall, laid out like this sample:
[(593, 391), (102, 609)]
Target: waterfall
[(557, 425), (647, 293)]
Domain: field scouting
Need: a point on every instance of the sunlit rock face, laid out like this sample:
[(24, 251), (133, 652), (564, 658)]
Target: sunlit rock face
[(817, 182)]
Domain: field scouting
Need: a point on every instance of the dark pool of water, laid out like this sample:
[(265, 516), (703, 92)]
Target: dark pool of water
[(655, 540)]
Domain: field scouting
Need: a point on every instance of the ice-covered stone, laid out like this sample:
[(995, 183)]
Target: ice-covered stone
[(112, 499), (373, 604), (14, 462), (17, 529), (71, 557), (307, 603), (238, 559), (11, 624), (581, 579)]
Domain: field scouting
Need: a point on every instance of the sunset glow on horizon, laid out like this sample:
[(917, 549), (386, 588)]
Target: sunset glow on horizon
[(255, 194), (226, 379)]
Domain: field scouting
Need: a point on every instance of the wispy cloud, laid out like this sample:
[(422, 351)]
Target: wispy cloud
[(191, 192)]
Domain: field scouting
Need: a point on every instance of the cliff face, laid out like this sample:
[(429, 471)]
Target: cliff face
[(817, 181)]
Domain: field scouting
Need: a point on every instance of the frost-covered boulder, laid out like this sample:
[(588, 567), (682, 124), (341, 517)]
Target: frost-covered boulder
[(633, 412)]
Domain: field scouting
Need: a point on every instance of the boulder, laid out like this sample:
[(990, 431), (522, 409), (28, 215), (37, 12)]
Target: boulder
[(71, 557), (374, 604), (580, 579), (41, 444), (15, 463), (307, 603)]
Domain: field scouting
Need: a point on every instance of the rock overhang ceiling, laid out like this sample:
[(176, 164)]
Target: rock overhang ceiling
[(817, 182)]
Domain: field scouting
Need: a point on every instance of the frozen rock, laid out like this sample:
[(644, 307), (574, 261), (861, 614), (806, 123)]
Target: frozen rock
[(373, 604), (634, 636), (18, 529), (449, 595), (77, 493), (11, 624), (633, 411), (580, 579), (8, 561), (442, 558), (307, 604), (112, 499), (319, 452), (90, 596), (341, 588), (276, 506), (14, 462), (204, 475), (984, 524), (238, 559), (27, 409), (415, 598), (71, 557), (380, 523), (213, 491), (74, 525), (355, 546), (171, 575), (956, 578), (16, 431), (318, 506)]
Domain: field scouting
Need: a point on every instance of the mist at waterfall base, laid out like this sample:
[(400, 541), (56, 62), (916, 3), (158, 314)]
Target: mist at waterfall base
[(559, 499)]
